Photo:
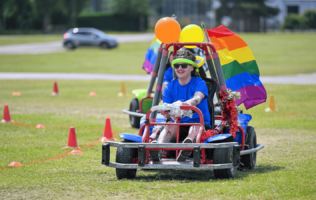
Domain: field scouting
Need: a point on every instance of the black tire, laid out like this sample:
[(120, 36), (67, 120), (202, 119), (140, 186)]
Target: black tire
[(125, 155), (249, 161), (133, 106), (70, 45), (222, 156), (104, 45)]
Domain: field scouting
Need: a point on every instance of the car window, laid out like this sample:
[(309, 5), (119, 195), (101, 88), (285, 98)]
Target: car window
[(83, 33), (94, 35), (101, 33)]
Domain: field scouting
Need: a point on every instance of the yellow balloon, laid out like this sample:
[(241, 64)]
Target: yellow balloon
[(191, 33)]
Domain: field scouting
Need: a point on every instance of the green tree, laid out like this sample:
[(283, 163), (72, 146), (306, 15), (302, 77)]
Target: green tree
[(310, 19), (27, 14), (21, 11), (246, 10), (69, 8), (133, 8), (72, 8), (7, 9), (44, 9)]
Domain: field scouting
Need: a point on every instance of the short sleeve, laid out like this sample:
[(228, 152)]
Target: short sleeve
[(167, 94), (168, 75), (201, 86)]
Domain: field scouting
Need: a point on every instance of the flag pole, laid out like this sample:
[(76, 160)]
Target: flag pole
[(210, 61)]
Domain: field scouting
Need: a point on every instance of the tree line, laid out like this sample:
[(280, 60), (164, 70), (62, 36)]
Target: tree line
[(26, 15), (39, 14), (305, 21)]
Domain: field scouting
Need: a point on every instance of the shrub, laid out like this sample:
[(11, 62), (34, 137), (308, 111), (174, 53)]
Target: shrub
[(112, 22), (310, 18), (293, 21)]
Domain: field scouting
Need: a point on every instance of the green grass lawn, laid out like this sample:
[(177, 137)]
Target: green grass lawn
[(8, 40), (126, 59), (276, 54), (283, 54), (11, 38), (285, 167)]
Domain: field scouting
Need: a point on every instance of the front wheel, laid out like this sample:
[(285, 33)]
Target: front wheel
[(125, 155), (104, 45), (134, 106), (222, 156)]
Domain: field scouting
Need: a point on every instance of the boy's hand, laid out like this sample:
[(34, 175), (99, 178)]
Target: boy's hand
[(185, 104), (164, 112)]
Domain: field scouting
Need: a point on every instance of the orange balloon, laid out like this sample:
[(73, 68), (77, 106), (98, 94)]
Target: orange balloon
[(167, 30)]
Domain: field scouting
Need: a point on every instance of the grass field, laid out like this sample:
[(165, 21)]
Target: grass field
[(10, 38), (285, 167), (276, 54), (24, 39)]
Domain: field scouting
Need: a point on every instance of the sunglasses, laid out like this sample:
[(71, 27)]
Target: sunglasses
[(184, 66)]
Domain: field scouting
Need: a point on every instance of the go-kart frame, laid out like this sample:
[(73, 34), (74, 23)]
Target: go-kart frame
[(227, 154)]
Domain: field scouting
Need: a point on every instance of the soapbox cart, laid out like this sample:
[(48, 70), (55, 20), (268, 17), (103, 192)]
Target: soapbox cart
[(223, 152)]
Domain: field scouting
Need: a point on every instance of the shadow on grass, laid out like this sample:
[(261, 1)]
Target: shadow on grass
[(260, 169), (205, 175)]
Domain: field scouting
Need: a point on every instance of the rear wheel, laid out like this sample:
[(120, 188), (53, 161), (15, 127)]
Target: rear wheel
[(69, 45), (222, 156), (248, 161), (125, 155), (134, 106)]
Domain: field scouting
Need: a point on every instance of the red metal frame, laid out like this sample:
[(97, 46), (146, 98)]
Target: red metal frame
[(203, 46), (145, 136)]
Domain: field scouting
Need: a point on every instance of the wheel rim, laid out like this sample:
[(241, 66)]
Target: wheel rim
[(232, 170), (131, 117), (69, 45), (254, 155)]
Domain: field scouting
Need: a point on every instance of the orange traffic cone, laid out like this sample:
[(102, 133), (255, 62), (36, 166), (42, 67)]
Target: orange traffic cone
[(72, 140), (14, 164), (16, 93), (76, 152), (107, 135), (92, 94), (271, 107), (39, 126), (55, 91), (6, 114), (123, 90)]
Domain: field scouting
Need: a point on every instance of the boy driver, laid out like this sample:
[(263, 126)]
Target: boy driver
[(190, 90)]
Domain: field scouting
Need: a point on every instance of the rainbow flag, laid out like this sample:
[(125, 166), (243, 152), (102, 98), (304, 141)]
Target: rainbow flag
[(239, 66), (151, 55)]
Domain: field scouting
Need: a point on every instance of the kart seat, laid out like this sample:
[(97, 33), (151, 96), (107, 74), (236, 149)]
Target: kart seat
[(211, 86)]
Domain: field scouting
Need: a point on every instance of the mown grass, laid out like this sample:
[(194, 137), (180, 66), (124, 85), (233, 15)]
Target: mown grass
[(283, 54), (276, 54), (128, 58), (13, 38), (285, 167), (25, 39)]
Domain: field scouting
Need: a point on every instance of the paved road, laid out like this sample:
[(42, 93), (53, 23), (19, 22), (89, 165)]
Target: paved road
[(300, 79), (49, 47)]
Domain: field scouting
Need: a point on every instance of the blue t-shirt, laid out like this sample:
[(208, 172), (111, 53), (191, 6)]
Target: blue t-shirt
[(168, 75), (175, 92)]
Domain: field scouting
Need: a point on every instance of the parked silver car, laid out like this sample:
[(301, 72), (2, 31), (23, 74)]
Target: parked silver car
[(76, 37)]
